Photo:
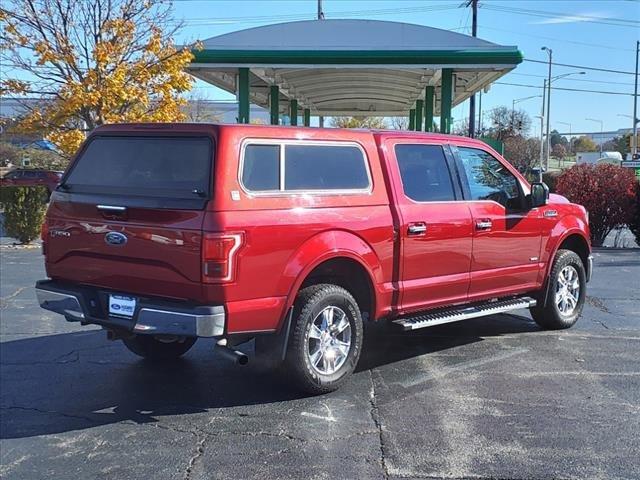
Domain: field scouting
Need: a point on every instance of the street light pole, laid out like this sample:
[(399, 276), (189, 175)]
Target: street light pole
[(548, 112), (634, 139), (541, 117), (513, 108), (601, 130)]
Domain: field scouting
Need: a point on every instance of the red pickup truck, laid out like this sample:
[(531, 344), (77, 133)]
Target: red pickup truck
[(297, 237)]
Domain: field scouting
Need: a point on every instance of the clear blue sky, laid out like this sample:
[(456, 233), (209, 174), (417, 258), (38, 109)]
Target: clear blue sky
[(574, 40)]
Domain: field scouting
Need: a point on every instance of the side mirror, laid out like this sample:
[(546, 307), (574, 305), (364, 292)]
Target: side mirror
[(539, 195)]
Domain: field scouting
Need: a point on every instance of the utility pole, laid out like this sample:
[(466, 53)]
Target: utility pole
[(634, 139), (320, 12), (472, 99)]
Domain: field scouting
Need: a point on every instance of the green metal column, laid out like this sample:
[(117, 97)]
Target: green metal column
[(307, 117), (412, 119), (419, 113), (274, 100), (293, 112), (446, 100), (243, 95), (428, 108)]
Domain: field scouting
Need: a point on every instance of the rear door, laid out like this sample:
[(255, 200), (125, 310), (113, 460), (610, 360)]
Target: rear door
[(507, 234), (128, 215), (435, 225)]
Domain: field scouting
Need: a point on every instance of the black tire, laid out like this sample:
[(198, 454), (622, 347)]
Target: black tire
[(310, 303), (549, 316), (147, 346)]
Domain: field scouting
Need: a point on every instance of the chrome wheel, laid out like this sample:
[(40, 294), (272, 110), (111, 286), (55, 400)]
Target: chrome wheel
[(567, 290), (329, 340)]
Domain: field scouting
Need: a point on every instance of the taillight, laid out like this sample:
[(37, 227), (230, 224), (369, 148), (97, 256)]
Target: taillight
[(219, 256), (44, 233)]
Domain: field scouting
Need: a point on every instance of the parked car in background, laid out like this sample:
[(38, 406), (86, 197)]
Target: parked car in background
[(24, 177), (296, 237)]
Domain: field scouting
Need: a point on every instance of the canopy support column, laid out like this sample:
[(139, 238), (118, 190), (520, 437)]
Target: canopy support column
[(243, 95), (274, 104), (419, 113), (293, 112), (412, 119), (446, 100), (306, 117), (428, 108)]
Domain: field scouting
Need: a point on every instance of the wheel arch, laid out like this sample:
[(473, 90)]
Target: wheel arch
[(336, 254)]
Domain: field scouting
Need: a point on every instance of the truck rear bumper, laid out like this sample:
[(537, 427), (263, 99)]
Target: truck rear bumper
[(151, 317)]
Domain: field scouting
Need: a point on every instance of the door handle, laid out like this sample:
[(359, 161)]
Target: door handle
[(484, 224), (419, 228)]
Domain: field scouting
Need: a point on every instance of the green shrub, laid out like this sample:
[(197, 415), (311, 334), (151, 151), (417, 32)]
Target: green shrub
[(24, 209), (634, 225)]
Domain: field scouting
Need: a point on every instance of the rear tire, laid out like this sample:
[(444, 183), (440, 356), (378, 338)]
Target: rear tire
[(326, 338), (566, 293), (147, 346)]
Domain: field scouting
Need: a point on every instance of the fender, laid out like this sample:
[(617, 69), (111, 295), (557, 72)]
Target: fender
[(563, 229), (325, 246)]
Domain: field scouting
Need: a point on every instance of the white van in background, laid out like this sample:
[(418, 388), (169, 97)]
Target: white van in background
[(595, 157)]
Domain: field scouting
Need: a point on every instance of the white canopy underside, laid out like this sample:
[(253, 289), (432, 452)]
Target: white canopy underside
[(340, 90)]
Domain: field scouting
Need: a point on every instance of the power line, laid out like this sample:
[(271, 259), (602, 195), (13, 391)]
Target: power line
[(307, 16), (580, 67), (612, 21), (572, 79), (564, 89), (574, 42)]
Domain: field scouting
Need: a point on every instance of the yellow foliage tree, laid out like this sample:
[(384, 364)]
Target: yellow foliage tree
[(92, 63)]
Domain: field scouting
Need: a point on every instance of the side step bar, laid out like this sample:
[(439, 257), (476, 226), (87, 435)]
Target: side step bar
[(455, 314)]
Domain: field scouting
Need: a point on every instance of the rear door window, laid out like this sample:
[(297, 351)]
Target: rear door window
[(424, 172), (176, 167)]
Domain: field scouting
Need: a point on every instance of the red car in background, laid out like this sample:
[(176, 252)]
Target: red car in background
[(31, 178)]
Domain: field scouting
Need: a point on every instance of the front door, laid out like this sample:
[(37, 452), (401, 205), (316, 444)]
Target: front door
[(435, 226), (507, 234)]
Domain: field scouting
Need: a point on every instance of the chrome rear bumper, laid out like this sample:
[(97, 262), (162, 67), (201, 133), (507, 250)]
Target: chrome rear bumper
[(150, 318)]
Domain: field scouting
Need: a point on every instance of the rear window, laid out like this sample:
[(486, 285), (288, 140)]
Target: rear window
[(177, 167), (291, 167)]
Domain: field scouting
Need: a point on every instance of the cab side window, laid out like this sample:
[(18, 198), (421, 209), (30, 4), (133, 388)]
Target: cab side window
[(489, 179), (424, 172)]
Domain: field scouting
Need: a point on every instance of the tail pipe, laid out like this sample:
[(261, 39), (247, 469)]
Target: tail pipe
[(229, 353)]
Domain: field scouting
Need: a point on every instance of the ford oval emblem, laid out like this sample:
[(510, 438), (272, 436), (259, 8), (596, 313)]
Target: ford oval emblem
[(115, 238)]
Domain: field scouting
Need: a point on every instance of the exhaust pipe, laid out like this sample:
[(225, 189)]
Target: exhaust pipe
[(235, 356)]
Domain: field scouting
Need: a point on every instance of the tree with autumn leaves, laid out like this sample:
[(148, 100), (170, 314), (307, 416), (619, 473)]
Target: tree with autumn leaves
[(92, 63)]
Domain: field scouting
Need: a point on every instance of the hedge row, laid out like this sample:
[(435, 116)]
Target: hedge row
[(24, 209)]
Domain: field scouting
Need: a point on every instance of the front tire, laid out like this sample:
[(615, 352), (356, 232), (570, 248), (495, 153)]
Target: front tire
[(566, 294), (148, 346), (326, 338)]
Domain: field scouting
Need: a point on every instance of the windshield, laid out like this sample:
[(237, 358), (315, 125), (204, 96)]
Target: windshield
[(177, 167)]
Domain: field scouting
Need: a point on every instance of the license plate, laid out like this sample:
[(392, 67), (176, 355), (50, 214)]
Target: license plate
[(121, 306)]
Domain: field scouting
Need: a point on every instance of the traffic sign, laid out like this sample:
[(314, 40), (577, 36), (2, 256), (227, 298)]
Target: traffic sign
[(630, 163)]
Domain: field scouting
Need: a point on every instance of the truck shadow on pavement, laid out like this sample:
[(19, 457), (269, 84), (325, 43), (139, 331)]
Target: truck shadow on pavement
[(74, 381)]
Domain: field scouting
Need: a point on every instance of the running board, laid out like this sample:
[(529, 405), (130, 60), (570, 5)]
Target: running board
[(455, 314)]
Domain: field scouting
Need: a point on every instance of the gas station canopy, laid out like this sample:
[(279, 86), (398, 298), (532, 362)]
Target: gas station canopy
[(352, 67)]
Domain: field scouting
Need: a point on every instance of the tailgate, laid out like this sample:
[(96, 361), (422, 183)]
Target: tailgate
[(128, 216)]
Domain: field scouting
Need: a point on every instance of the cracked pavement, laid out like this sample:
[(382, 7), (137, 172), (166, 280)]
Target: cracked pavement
[(489, 398)]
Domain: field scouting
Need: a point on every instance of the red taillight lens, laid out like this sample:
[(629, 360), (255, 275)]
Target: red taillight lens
[(219, 256), (44, 233)]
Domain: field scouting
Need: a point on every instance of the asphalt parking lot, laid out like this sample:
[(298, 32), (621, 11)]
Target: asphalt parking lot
[(489, 398)]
